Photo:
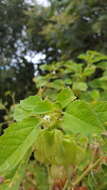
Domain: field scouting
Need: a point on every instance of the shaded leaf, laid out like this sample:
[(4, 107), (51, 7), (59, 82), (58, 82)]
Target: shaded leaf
[(15, 143)]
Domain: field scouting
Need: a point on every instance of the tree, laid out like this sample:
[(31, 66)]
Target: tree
[(67, 28), (15, 71)]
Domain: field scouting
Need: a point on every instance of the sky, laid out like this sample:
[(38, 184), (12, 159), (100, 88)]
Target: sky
[(43, 2)]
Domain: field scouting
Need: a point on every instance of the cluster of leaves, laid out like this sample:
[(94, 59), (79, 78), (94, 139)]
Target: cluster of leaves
[(64, 127), (67, 28), (70, 135), (88, 73)]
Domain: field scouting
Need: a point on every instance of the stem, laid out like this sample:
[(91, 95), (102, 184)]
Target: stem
[(32, 182), (49, 178), (91, 166), (66, 185), (13, 98), (68, 180)]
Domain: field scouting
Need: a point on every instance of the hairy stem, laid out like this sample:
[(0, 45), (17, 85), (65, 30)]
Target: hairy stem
[(91, 166), (66, 185)]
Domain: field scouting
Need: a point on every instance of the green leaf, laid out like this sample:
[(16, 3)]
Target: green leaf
[(69, 152), (99, 83), (20, 114), (81, 86), (102, 65), (93, 95), (51, 93), (80, 118), (74, 67), (65, 97), (53, 147), (68, 81), (100, 108), (19, 173), (48, 145), (44, 107), (30, 102), (14, 179), (89, 71), (32, 106), (15, 143), (40, 81), (92, 56), (57, 84)]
